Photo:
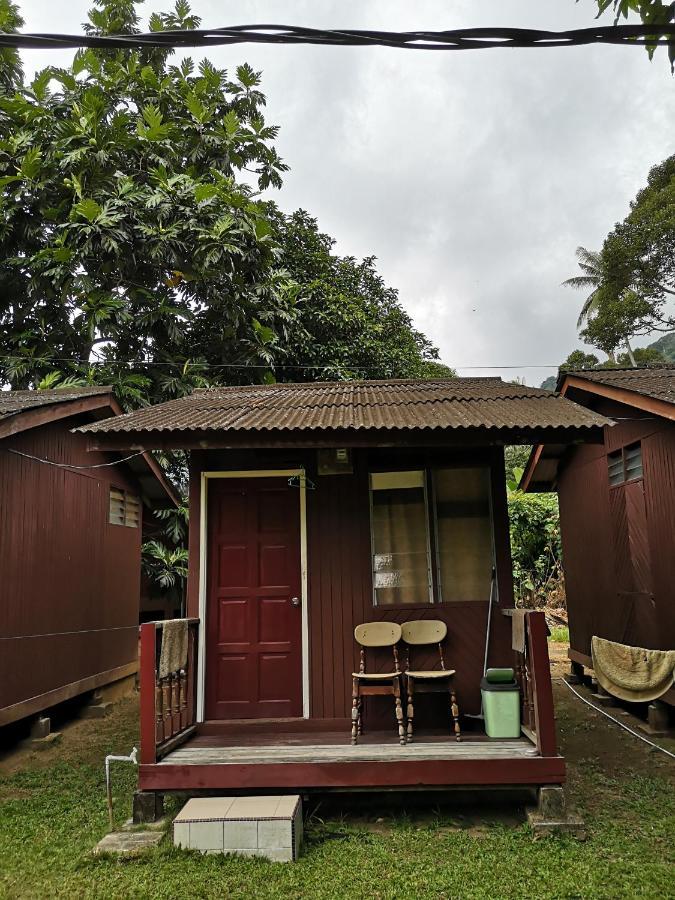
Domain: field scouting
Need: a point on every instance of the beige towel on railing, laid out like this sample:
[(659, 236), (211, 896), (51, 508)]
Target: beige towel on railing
[(174, 646), (518, 630), (632, 673)]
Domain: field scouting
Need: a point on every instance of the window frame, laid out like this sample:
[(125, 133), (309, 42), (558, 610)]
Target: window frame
[(433, 550), (622, 454), (430, 577), (128, 499)]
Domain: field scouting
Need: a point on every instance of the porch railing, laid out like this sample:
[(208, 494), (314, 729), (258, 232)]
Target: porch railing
[(168, 705), (533, 674)]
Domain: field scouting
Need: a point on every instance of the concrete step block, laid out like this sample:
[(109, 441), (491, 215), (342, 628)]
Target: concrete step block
[(269, 826)]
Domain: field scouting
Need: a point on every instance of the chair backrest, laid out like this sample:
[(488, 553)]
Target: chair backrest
[(424, 631), (378, 634)]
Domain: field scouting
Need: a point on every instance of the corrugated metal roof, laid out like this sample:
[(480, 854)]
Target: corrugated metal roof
[(657, 382), (378, 405), (13, 402)]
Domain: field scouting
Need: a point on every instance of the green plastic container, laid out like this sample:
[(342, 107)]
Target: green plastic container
[(501, 708)]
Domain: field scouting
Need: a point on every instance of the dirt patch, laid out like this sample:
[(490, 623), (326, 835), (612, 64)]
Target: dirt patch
[(599, 753), (88, 739)]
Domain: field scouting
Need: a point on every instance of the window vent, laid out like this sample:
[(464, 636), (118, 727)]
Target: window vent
[(625, 465), (124, 508)]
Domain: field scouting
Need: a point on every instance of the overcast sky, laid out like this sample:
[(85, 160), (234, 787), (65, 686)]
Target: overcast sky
[(472, 176)]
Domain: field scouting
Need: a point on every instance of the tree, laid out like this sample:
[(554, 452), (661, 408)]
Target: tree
[(603, 330), (349, 323), (639, 252), (124, 232), (651, 12), (129, 239)]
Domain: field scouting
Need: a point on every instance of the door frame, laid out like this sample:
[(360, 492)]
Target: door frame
[(203, 575)]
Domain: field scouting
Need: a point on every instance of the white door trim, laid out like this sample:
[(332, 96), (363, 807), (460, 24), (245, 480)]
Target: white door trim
[(203, 579)]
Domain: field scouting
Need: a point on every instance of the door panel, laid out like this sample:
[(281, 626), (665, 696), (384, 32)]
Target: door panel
[(253, 631)]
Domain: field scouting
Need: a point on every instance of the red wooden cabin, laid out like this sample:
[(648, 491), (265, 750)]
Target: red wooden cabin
[(70, 545), (617, 511), (306, 501)]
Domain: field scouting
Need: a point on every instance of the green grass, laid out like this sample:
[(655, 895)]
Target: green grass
[(53, 811), (560, 634)]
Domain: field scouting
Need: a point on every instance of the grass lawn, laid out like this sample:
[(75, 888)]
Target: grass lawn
[(53, 811)]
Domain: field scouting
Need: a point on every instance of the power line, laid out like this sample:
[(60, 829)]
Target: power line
[(452, 39), (58, 465), (267, 366)]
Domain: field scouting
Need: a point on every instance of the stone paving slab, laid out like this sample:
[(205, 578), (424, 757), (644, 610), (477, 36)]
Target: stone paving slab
[(128, 843)]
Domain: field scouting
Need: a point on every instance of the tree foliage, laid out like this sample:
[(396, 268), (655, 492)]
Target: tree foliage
[(349, 323), (651, 12), (131, 238), (632, 279)]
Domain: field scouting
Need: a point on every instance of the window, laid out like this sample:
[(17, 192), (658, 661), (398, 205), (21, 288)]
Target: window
[(124, 508), (454, 517), (463, 533), (400, 538), (625, 465)]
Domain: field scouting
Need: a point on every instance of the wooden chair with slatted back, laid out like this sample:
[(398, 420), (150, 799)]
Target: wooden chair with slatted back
[(367, 684), (423, 633)]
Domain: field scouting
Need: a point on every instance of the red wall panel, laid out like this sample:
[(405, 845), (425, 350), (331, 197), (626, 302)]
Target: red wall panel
[(63, 568)]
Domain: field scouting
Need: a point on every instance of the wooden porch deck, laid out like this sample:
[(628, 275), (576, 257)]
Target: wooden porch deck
[(180, 754), (327, 760)]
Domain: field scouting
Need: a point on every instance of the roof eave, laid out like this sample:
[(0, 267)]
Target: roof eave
[(195, 439)]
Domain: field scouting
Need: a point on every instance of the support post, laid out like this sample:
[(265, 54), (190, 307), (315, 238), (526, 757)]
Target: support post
[(148, 807), (550, 815), (657, 717), (542, 690), (148, 717)]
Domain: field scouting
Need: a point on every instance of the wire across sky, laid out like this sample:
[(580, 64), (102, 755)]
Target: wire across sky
[(452, 39)]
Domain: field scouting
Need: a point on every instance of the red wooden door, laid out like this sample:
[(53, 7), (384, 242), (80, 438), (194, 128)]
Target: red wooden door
[(253, 625)]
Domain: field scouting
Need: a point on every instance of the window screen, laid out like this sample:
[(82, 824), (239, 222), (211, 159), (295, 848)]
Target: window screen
[(124, 508), (633, 459), (615, 467), (463, 533), (400, 538)]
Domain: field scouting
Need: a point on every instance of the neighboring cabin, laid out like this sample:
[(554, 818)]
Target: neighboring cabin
[(617, 510), (316, 508), (70, 546)]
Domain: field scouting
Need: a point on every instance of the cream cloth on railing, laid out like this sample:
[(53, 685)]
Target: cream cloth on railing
[(632, 673), (174, 646)]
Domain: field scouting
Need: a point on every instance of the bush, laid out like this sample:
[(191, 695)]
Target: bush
[(536, 549)]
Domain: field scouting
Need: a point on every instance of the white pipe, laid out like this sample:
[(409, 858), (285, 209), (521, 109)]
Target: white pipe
[(616, 721), (132, 758)]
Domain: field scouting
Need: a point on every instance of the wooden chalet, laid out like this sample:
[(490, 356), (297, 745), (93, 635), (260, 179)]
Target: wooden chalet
[(316, 508), (70, 545), (617, 511)]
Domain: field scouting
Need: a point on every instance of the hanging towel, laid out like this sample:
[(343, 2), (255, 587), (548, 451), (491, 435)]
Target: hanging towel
[(632, 673), (518, 630), (174, 646)]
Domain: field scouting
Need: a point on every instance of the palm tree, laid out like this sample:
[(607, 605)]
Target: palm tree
[(593, 276), (590, 263)]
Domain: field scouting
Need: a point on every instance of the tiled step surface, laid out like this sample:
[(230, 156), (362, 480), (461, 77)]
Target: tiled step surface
[(251, 826)]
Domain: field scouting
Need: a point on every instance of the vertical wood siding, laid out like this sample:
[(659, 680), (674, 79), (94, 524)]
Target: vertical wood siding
[(619, 543), (340, 582), (62, 567)]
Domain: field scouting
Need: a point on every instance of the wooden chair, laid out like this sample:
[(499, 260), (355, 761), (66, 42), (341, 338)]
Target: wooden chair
[(376, 634), (419, 634)]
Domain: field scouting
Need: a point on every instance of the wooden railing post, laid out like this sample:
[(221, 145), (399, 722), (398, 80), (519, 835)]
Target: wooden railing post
[(148, 664), (542, 691)]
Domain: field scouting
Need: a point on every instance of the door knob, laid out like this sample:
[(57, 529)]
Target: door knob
[(295, 601)]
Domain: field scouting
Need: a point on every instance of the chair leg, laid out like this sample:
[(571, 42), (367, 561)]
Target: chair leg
[(454, 709), (360, 716), (410, 689), (356, 699), (399, 712)]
